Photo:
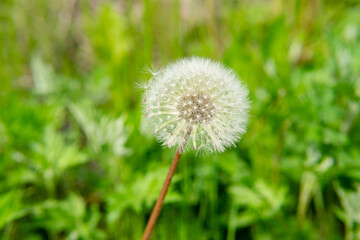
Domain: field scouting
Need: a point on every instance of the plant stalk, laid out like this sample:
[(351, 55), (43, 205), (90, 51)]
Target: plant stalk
[(157, 208)]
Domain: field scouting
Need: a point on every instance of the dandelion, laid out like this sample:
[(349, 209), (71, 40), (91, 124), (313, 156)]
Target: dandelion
[(199, 96), (194, 103)]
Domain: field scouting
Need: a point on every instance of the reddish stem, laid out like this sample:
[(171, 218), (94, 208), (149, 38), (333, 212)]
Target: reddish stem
[(157, 208)]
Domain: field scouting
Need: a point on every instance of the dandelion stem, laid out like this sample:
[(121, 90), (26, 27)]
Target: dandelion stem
[(157, 208)]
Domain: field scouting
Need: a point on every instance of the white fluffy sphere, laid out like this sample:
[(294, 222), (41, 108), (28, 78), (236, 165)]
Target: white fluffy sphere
[(197, 102)]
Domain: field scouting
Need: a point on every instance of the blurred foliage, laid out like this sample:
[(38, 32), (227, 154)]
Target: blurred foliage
[(77, 162)]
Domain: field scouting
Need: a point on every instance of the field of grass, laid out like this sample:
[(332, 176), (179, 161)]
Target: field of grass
[(77, 161)]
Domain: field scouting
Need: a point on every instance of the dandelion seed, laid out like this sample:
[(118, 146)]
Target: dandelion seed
[(219, 111)]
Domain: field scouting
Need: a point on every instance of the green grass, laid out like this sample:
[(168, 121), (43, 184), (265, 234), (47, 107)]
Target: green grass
[(78, 162)]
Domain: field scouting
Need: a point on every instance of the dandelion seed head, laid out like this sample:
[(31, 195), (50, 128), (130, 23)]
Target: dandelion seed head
[(201, 95)]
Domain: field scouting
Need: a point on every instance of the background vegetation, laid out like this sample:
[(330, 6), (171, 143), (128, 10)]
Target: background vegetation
[(77, 162)]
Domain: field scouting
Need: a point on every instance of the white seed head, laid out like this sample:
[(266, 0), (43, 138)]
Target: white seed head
[(201, 95)]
